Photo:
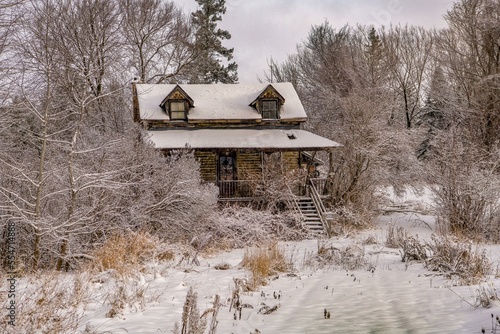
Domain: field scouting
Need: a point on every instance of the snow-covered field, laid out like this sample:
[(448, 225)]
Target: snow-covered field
[(386, 296)]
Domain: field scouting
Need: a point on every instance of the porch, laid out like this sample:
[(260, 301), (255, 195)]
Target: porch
[(248, 190), (306, 200)]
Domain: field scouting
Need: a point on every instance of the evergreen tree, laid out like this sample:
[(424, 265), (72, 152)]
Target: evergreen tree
[(209, 66), (374, 57), (433, 113)]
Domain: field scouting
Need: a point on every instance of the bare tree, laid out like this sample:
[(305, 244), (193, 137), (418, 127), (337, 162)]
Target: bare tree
[(339, 75), (158, 37), (408, 52), (74, 168), (470, 52)]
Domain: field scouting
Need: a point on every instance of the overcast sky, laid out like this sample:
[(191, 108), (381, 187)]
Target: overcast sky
[(262, 29)]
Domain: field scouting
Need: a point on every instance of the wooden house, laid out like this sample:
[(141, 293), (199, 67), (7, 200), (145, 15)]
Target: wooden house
[(231, 128)]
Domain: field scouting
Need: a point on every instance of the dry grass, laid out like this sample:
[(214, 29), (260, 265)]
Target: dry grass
[(51, 303), (125, 252), (263, 262)]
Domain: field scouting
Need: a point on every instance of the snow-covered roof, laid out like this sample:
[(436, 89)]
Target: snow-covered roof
[(240, 139), (218, 101)]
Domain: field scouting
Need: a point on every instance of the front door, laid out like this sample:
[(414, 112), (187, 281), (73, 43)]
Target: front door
[(227, 174)]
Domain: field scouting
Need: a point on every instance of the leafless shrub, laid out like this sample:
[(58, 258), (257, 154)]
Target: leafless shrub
[(370, 240), (263, 262), (348, 258), (235, 227), (412, 249), (276, 183), (127, 293), (466, 189), (486, 295), (458, 260), (349, 220), (395, 236)]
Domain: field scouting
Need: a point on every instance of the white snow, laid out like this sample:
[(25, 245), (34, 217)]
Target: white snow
[(239, 139), (393, 297), (218, 101)]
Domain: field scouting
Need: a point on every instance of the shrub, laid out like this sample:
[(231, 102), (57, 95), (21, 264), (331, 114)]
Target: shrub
[(412, 249), (348, 258), (242, 226), (457, 259), (348, 220), (395, 236), (466, 188)]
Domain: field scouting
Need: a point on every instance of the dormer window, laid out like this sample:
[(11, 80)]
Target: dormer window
[(269, 109), (269, 103), (177, 110), (177, 104)]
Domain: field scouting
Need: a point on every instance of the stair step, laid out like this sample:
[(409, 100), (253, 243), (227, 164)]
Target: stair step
[(311, 218), (313, 224)]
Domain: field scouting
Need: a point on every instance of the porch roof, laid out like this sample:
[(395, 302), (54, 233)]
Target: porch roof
[(241, 139)]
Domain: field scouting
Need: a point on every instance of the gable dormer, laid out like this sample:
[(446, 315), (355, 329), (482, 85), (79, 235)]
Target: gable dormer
[(269, 103), (177, 104)]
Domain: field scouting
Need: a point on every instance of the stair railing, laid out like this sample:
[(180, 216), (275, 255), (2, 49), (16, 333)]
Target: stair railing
[(320, 207), (293, 204)]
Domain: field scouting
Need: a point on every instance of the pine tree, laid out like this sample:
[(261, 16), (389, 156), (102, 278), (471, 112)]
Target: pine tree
[(433, 113), (211, 54), (374, 56)]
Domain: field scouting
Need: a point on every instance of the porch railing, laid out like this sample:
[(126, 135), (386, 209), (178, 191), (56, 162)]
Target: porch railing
[(250, 189), (238, 190), (320, 185)]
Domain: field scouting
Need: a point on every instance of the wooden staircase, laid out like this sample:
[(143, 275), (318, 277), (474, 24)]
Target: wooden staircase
[(312, 219)]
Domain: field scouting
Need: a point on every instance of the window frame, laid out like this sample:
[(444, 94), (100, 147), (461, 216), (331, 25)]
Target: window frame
[(267, 112), (171, 112)]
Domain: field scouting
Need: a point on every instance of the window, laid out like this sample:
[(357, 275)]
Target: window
[(269, 109), (177, 110)]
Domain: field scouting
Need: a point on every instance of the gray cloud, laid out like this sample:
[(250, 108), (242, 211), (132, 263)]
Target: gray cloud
[(262, 29)]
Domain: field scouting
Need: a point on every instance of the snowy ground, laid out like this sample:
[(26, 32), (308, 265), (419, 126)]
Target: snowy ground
[(390, 297)]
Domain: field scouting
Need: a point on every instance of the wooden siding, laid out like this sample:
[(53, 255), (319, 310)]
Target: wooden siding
[(249, 165), (208, 165), (290, 160), (223, 124)]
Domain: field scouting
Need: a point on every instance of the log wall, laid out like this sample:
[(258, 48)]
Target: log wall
[(208, 165)]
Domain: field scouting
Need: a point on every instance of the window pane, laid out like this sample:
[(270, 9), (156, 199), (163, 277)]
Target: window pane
[(269, 105), (269, 114), (176, 106), (177, 115)]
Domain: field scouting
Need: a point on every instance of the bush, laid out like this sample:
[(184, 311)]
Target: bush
[(466, 189), (395, 237), (348, 220), (238, 227), (458, 260), (348, 258)]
